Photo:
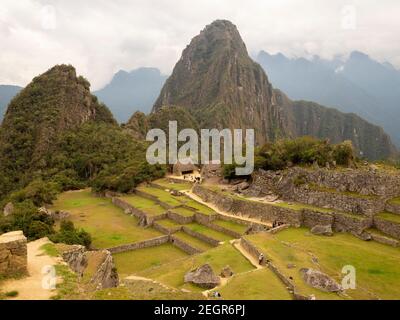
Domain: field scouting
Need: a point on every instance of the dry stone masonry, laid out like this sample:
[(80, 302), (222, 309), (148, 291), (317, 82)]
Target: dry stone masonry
[(13, 254)]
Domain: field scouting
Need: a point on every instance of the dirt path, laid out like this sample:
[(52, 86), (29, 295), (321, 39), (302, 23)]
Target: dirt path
[(30, 288), (195, 197)]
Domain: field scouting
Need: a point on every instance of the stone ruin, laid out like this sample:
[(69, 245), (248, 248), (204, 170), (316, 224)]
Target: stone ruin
[(13, 254), (203, 277)]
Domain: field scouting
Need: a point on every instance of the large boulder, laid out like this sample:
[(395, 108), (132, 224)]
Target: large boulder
[(325, 230), (8, 209), (203, 277), (319, 280)]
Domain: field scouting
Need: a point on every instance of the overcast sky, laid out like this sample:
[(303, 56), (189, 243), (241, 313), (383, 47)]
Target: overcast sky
[(100, 37)]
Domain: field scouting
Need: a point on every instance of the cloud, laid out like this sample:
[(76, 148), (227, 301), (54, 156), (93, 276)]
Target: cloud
[(100, 37)]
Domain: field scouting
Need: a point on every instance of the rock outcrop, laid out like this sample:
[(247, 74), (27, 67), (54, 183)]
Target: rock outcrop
[(95, 267), (203, 277), (319, 280), (322, 230), (8, 209), (13, 254)]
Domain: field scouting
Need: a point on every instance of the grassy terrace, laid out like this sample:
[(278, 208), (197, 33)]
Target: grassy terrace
[(316, 187), (131, 262), (168, 223), (389, 216), (376, 264), (200, 207), (173, 273), (183, 212), (194, 242), (237, 227), (108, 224), (173, 185), (208, 232), (146, 205), (260, 284), (162, 195), (395, 201)]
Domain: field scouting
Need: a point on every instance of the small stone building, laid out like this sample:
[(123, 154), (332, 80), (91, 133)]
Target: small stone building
[(187, 167), (13, 254)]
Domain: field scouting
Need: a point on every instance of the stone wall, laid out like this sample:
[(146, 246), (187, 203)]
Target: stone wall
[(351, 223), (385, 240), (393, 208), (13, 254), (201, 236), (336, 201), (184, 246), (218, 228), (242, 207), (166, 230), (153, 198), (179, 218), (140, 245), (313, 218), (389, 227), (362, 181)]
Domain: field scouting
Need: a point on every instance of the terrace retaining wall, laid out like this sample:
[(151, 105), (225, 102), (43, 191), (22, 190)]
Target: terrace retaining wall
[(200, 236), (389, 227), (140, 245), (393, 208), (218, 228), (179, 218), (261, 211), (184, 246)]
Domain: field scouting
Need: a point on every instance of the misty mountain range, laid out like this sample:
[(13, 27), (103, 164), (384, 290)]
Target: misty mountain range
[(358, 85)]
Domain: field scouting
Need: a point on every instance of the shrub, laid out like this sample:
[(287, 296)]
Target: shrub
[(303, 151), (68, 234)]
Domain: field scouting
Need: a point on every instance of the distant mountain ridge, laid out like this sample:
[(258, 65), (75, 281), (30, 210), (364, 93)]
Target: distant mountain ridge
[(6, 94), (217, 82), (132, 91), (358, 84)]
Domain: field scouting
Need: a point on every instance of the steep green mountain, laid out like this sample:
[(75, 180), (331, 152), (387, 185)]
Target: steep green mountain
[(219, 84), (55, 130), (6, 94), (132, 91)]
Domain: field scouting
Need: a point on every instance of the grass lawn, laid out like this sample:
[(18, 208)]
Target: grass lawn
[(162, 195), (194, 242), (184, 212), (209, 232), (108, 225), (173, 273), (389, 216), (173, 185), (260, 284), (237, 227), (377, 272), (146, 205), (131, 262)]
